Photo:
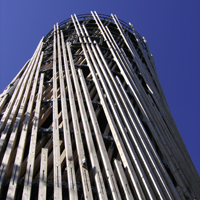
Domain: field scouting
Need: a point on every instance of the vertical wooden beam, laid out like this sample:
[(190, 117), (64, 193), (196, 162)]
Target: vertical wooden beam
[(90, 144), (129, 80), (3, 101), (143, 148), (14, 80), (31, 156), (22, 142), (56, 146), (43, 175), (104, 155), (117, 138), (87, 190), (170, 140), (72, 186), (17, 95), (123, 180), (124, 156), (130, 109), (151, 114)]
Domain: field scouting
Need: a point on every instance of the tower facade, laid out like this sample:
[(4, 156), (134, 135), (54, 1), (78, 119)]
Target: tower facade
[(86, 118)]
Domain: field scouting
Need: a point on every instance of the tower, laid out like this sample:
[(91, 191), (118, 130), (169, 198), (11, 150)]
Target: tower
[(86, 118)]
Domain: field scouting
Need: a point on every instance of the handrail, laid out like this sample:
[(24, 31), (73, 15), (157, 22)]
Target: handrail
[(82, 17)]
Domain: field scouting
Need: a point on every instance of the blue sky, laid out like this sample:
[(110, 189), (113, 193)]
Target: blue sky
[(171, 28)]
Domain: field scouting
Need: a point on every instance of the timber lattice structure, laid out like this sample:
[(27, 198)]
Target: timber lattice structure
[(86, 118)]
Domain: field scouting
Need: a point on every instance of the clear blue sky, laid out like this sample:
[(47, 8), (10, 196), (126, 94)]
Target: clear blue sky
[(172, 30)]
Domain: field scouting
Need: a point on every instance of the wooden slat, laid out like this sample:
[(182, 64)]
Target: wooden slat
[(159, 121), (39, 146), (21, 146), (110, 90), (9, 93), (14, 80), (141, 103), (173, 134), (49, 146), (14, 108), (79, 144), (72, 186), (11, 143), (17, 95), (43, 175), (56, 146), (140, 149), (90, 144), (133, 113), (104, 155), (116, 136), (123, 180), (31, 156), (123, 69), (151, 112), (3, 101), (115, 191), (156, 186)]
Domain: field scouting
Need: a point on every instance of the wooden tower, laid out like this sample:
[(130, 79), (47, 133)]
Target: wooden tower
[(86, 118)]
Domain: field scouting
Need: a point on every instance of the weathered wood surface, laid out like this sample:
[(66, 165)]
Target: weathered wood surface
[(123, 180), (67, 137), (32, 149), (56, 147), (43, 175), (87, 190), (22, 142)]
